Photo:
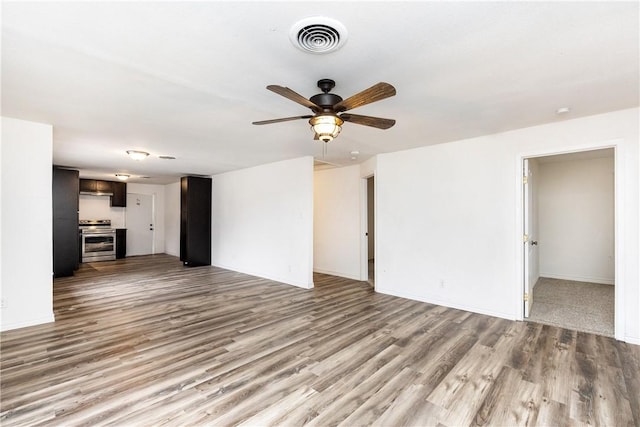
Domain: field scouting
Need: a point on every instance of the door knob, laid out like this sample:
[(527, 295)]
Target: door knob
[(534, 242)]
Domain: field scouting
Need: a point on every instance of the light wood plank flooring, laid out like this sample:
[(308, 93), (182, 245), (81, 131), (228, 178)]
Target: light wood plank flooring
[(146, 341)]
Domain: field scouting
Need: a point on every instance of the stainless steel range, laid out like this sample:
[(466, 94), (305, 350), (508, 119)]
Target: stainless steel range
[(98, 240)]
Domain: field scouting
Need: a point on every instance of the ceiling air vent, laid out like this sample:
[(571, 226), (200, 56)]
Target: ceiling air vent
[(318, 35)]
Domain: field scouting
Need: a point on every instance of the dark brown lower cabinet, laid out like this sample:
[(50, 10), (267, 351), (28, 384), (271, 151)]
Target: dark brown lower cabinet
[(121, 243)]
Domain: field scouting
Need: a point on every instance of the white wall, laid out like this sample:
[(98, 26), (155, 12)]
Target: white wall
[(368, 167), (262, 221), (98, 207), (337, 222), (172, 219), (159, 210), (26, 275), (449, 216), (443, 219), (577, 220)]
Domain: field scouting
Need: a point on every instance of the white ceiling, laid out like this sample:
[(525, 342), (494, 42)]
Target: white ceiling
[(186, 79)]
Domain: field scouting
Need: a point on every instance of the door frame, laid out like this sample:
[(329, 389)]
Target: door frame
[(364, 229), (618, 227), (527, 221)]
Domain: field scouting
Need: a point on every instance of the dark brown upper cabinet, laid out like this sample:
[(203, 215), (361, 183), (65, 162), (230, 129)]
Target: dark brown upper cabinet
[(96, 186), (116, 189), (88, 185), (119, 197)]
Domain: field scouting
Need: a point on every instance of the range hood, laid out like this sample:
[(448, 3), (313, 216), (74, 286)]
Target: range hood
[(96, 193)]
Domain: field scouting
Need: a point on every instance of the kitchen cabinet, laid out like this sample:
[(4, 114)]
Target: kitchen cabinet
[(104, 186), (195, 221), (116, 189), (65, 190), (121, 243), (88, 185), (119, 197), (96, 186)]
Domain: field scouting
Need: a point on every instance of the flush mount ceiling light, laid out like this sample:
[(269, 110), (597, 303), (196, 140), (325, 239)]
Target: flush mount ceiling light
[(137, 155), (326, 127), (122, 176), (318, 34)]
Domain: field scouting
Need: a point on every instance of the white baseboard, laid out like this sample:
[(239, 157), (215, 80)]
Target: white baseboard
[(436, 301), (29, 322), (599, 280), (337, 273), (285, 280), (632, 340)]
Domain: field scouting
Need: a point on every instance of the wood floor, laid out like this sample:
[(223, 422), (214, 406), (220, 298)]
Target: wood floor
[(146, 341)]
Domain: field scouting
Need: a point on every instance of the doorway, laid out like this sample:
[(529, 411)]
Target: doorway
[(140, 224), (569, 240), (371, 247)]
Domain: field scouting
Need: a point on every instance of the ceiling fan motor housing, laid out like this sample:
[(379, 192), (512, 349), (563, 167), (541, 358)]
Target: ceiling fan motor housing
[(325, 100)]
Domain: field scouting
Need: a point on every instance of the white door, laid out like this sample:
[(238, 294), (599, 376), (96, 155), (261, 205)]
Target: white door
[(140, 224), (527, 240)]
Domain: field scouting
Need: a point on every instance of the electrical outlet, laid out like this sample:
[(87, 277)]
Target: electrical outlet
[(2, 303), (441, 283)]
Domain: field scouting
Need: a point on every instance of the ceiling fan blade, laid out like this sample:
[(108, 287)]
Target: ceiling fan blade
[(294, 96), (285, 119), (375, 122), (375, 93)]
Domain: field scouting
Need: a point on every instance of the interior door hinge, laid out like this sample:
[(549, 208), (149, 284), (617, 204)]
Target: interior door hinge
[(525, 179), (525, 238), (526, 297)]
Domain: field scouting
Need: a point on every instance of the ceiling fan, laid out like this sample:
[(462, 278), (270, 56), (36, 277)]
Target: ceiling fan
[(329, 109)]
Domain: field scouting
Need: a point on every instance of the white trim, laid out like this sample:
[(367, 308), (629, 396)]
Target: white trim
[(155, 223), (448, 304), (337, 274), (364, 229), (31, 322), (632, 340), (599, 280), (265, 276), (619, 236)]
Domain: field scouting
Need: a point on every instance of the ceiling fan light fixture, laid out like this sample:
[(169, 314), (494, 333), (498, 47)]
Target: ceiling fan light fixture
[(327, 126)]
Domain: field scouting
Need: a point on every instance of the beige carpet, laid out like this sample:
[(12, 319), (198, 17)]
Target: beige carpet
[(587, 307)]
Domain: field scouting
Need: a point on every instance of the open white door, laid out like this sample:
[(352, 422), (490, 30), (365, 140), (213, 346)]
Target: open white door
[(528, 246)]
